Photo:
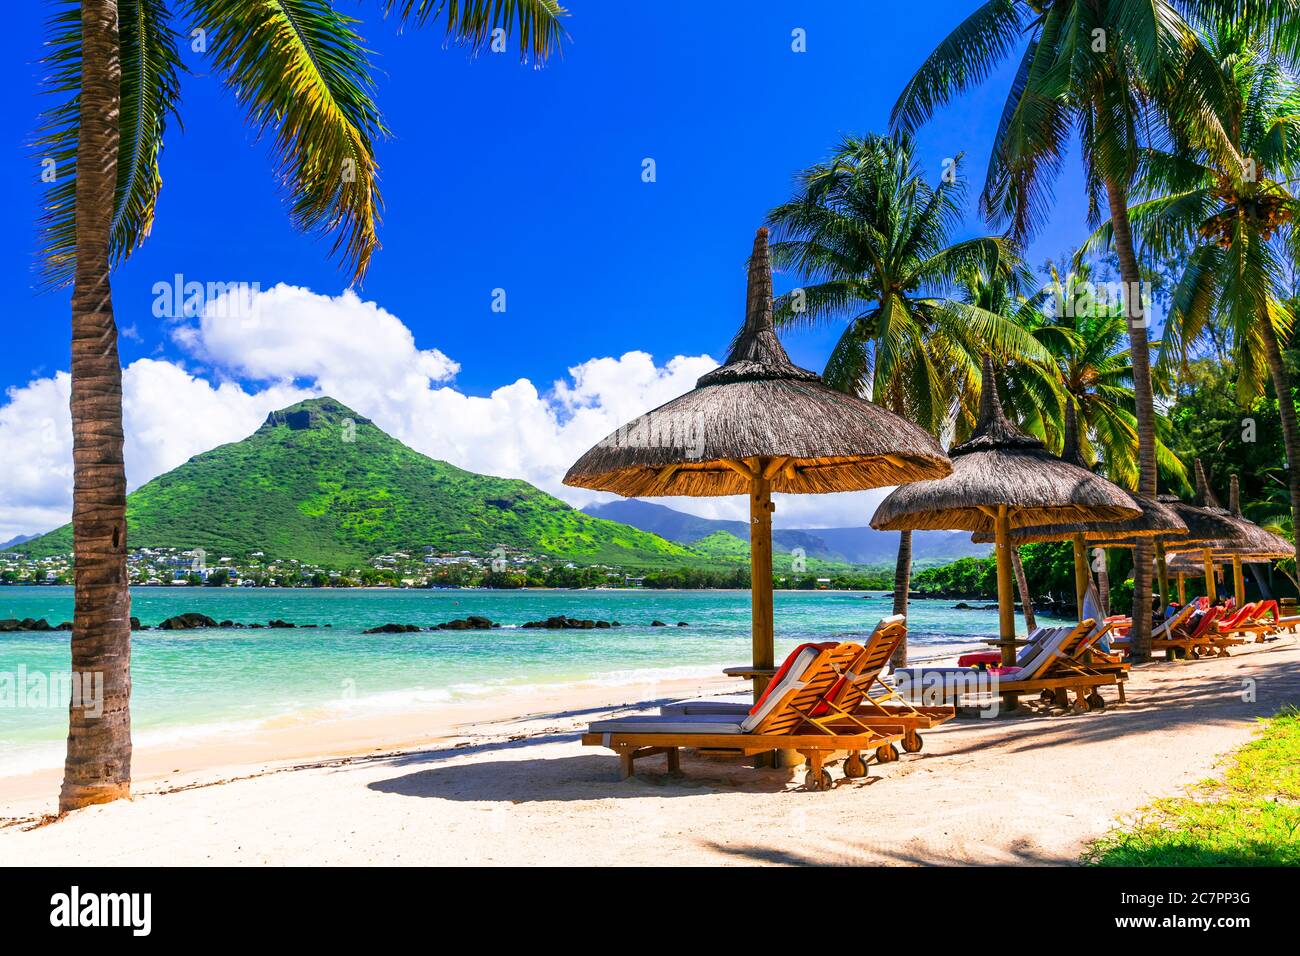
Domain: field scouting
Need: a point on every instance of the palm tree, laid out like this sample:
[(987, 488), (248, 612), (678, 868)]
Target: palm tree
[(1103, 68), (1092, 367), (872, 240), (300, 70), (1227, 207)]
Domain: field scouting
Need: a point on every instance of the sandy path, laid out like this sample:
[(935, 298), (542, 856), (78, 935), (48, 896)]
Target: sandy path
[(1033, 789)]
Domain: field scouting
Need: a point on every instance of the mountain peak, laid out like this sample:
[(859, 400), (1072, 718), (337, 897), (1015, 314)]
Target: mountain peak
[(314, 413)]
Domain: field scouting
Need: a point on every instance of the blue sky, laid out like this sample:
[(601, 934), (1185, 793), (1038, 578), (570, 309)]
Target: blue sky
[(502, 176)]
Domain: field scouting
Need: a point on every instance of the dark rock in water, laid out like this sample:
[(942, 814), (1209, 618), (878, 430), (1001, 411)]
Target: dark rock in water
[(30, 624), (136, 625), (65, 626), (472, 623), (391, 629), (963, 606), (682, 624), (279, 623), (259, 626), (658, 624), (186, 622), (561, 623), (310, 625), (26, 624), (227, 624)]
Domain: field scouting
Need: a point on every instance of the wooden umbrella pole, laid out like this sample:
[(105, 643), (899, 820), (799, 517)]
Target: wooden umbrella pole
[(1006, 597), (1238, 581), (760, 576), (1182, 589), (1082, 573), (1210, 590)]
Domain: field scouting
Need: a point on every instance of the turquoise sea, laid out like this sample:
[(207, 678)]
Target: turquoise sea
[(195, 682)]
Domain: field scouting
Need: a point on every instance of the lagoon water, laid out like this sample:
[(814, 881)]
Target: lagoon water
[(191, 683)]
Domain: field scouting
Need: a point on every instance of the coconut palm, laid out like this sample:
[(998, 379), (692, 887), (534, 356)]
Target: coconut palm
[(1086, 338), (1103, 69), (871, 240), (1228, 208), (300, 71)]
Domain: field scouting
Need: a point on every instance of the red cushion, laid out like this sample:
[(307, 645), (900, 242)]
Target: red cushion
[(992, 658), (784, 669)]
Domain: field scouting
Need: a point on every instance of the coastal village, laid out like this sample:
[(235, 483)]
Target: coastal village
[(174, 567)]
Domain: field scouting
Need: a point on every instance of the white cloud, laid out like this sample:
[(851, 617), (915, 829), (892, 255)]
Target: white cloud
[(278, 346)]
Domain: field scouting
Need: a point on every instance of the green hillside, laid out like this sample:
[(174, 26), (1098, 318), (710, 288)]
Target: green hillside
[(722, 545), (322, 484)]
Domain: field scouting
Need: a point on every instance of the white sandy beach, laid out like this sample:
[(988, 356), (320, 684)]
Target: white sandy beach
[(480, 786)]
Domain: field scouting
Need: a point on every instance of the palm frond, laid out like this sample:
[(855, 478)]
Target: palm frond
[(149, 91), (536, 24), (300, 71), (964, 59)]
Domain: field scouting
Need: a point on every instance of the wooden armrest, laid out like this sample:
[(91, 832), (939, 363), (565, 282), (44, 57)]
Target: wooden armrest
[(748, 672)]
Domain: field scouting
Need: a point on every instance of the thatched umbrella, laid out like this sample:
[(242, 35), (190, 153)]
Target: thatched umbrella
[(757, 425), (1155, 519), (1239, 538), (1003, 479), (1183, 564), (1250, 542), (1206, 524)]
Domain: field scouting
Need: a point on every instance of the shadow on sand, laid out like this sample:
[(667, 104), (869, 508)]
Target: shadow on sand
[(1161, 708)]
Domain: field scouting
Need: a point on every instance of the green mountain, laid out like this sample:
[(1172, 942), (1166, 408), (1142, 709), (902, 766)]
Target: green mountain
[(322, 484)]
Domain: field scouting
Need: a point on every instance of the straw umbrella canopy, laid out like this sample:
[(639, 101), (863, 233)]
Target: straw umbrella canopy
[(1249, 543), (760, 424), (1003, 479), (1185, 564), (1204, 526), (1240, 540), (1155, 519)]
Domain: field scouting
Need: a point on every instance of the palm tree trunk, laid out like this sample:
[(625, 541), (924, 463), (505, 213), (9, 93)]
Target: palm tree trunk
[(1144, 396), (1290, 430), (902, 567), (1022, 585), (98, 765), (1103, 587), (902, 584)]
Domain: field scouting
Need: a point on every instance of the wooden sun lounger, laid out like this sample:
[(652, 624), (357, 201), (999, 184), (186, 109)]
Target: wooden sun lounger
[(866, 700), (1200, 641), (788, 717), (1250, 621), (1059, 668), (883, 711)]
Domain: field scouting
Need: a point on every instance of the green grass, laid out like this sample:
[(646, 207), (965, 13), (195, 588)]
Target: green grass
[(1250, 817)]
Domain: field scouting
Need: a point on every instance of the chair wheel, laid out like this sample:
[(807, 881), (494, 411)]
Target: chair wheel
[(912, 742), (855, 767), (886, 753), (1096, 702), (1048, 696), (817, 781), (1080, 706)]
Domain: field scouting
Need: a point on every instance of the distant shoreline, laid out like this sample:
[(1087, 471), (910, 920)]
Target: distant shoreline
[(532, 590)]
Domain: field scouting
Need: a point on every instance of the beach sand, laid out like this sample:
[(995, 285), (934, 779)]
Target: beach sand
[(480, 785)]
